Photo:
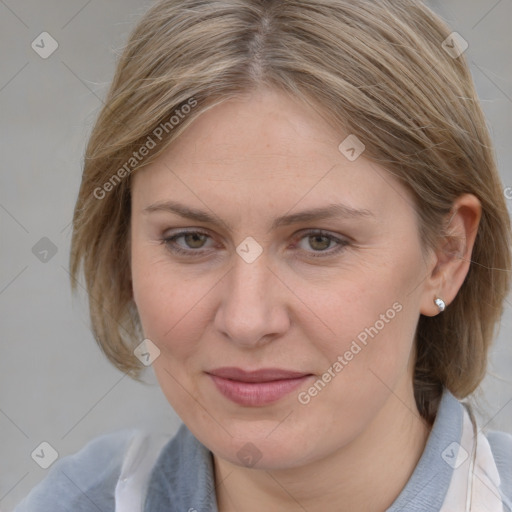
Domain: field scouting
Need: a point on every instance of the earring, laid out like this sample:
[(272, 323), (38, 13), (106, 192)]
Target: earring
[(440, 304)]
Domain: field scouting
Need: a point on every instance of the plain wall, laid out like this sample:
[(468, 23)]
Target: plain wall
[(55, 385)]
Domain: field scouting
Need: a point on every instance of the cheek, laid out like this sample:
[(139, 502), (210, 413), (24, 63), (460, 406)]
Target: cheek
[(370, 355), (152, 291), (172, 309), (372, 317)]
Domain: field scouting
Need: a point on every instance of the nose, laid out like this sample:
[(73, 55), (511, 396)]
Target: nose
[(254, 308)]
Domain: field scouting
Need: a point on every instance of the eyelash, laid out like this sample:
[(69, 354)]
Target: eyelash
[(167, 241)]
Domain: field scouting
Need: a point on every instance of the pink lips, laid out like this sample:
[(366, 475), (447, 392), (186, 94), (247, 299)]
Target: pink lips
[(258, 387)]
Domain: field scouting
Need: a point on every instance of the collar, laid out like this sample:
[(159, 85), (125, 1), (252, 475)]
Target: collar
[(427, 487), (183, 476)]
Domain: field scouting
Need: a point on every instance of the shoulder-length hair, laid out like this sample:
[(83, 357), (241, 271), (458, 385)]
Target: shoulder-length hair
[(388, 71)]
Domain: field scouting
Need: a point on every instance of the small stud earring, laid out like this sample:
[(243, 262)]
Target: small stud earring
[(440, 304)]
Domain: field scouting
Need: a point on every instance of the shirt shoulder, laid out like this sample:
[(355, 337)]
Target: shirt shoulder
[(85, 480), (501, 447)]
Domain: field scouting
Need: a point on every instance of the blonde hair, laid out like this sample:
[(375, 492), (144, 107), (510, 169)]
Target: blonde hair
[(375, 69)]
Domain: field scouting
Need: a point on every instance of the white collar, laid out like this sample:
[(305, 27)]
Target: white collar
[(475, 482)]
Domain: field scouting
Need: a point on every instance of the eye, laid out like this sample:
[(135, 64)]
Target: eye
[(320, 241), (194, 241)]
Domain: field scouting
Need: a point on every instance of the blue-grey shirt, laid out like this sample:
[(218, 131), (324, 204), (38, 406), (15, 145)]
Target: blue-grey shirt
[(183, 479)]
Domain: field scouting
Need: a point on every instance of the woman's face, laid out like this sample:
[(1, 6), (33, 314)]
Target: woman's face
[(323, 308)]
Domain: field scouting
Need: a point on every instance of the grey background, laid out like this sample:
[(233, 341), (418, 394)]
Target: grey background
[(55, 385)]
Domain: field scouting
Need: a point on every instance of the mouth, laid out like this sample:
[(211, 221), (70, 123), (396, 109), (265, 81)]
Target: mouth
[(256, 388)]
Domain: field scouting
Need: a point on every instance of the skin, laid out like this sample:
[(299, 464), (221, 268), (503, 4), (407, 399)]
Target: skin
[(247, 161)]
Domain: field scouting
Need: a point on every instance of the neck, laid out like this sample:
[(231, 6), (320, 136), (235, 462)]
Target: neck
[(367, 475)]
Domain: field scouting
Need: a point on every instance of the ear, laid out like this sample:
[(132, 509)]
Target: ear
[(452, 258)]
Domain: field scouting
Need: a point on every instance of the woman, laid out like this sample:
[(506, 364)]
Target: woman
[(292, 211)]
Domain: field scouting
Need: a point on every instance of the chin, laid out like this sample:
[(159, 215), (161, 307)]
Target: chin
[(258, 444), (264, 454)]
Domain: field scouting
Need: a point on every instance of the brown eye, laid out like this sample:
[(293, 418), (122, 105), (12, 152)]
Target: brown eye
[(194, 241), (320, 243)]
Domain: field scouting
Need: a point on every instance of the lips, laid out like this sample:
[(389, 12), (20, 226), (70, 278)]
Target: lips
[(256, 388)]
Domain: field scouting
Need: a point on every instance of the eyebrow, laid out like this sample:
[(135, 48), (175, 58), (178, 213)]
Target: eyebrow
[(325, 212)]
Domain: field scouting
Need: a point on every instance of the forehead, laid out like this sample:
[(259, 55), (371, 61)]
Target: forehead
[(266, 151)]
